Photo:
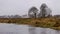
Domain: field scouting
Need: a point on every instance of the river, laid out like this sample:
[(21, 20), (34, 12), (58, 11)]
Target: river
[(24, 29)]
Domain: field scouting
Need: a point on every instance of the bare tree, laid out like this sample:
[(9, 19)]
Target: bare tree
[(33, 12)]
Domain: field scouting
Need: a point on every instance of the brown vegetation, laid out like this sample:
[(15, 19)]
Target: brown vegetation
[(38, 22)]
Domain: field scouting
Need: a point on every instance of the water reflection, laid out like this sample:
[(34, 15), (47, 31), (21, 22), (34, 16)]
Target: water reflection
[(38, 30), (32, 30), (13, 29), (25, 29)]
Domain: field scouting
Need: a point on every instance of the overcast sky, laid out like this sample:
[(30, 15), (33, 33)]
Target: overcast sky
[(21, 7)]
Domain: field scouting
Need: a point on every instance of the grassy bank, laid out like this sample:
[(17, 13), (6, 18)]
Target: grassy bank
[(51, 22)]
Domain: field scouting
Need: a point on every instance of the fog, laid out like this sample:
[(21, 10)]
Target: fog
[(21, 7)]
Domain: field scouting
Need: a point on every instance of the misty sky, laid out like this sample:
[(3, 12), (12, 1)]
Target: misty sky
[(21, 7)]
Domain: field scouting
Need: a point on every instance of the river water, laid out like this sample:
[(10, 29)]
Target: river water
[(25, 29)]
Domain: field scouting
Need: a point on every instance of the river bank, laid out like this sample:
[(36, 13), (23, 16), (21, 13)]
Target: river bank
[(52, 22)]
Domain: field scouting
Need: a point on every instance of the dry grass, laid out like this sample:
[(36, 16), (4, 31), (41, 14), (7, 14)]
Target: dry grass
[(51, 22)]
